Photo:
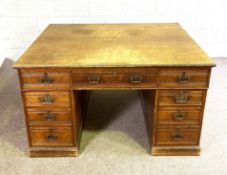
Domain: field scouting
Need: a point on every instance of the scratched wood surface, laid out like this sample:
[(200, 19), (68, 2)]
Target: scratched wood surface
[(113, 45)]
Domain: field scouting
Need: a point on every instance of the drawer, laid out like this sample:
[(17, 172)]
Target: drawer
[(45, 79), (87, 78), (179, 116), (184, 78), (51, 137), (176, 136), (47, 99), (180, 97), (48, 116)]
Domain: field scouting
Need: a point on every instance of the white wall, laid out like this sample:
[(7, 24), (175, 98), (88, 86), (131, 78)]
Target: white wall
[(21, 21)]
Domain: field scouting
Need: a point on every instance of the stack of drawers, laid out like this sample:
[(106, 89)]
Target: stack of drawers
[(48, 103), (178, 111)]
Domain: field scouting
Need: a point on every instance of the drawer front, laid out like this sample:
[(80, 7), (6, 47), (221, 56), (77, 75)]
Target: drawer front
[(51, 137), (115, 78), (180, 97), (47, 99), (184, 78), (45, 79), (177, 137), (179, 116), (48, 116)]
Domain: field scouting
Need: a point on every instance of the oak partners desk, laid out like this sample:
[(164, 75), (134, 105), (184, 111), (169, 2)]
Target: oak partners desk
[(67, 60)]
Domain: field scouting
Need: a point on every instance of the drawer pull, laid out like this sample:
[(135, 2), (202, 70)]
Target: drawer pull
[(47, 98), (183, 78), (46, 79), (49, 117), (177, 136), (181, 97), (136, 78), (179, 116), (94, 79), (50, 136)]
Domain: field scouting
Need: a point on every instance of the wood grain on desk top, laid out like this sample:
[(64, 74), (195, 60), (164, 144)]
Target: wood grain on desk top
[(113, 45)]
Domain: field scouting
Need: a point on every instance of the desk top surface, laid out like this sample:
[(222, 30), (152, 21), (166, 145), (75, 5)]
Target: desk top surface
[(113, 45)]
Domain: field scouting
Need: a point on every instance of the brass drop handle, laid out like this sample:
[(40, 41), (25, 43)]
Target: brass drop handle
[(177, 136), (136, 78), (183, 78), (181, 97), (47, 98), (49, 117), (46, 79), (179, 115), (50, 136), (94, 79)]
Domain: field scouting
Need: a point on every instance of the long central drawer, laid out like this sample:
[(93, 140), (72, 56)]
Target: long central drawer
[(115, 77)]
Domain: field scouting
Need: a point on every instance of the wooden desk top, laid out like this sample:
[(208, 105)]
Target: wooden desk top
[(113, 45)]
